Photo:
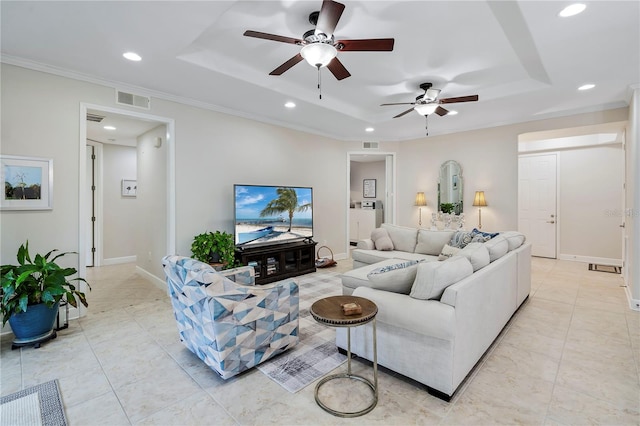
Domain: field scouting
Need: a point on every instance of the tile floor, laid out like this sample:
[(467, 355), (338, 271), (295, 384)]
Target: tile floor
[(571, 355)]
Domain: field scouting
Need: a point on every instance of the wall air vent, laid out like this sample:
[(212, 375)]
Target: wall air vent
[(94, 117), (124, 98), (370, 145)]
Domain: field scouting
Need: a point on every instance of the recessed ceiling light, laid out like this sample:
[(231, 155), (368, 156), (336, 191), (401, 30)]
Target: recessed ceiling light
[(132, 56), (586, 86), (572, 9), (109, 128), (290, 105), (452, 112), (369, 129)]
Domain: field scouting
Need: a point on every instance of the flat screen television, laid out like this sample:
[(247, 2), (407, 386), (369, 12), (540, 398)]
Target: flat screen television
[(272, 214)]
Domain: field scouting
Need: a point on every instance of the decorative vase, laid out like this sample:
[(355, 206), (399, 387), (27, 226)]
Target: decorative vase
[(34, 325)]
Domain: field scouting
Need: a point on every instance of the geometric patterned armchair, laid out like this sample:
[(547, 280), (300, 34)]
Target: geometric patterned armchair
[(227, 321)]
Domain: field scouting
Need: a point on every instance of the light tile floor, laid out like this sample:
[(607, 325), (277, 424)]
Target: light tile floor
[(570, 355)]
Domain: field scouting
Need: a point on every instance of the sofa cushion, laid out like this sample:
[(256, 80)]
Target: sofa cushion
[(404, 238), (478, 236), (358, 277), (477, 254), (497, 247), (432, 242), (460, 239), (448, 251), (397, 278), (432, 278), (381, 239), (514, 238), (373, 256)]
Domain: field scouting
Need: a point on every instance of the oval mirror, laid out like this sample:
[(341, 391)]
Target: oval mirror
[(450, 188)]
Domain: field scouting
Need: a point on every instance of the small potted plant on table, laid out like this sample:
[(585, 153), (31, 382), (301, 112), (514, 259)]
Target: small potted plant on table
[(31, 294), (215, 248)]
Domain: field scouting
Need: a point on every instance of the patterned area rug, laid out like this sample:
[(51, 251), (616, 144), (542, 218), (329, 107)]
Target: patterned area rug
[(37, 405), (316, 353)]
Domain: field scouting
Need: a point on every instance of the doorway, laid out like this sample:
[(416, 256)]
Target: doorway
[(166, 179)]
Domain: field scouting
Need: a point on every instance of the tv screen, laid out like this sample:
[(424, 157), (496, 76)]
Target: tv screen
[(272, 214)]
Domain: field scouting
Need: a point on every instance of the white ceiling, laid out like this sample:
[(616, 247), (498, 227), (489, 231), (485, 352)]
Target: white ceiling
[(523, 61)]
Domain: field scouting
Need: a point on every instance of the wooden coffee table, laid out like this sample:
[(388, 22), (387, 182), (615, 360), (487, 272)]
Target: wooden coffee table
[(328, 311)]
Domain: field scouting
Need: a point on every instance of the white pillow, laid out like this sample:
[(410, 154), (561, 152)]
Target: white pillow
[(381, 239), (397, 278), (448, 251), (432, 278), (404, 239), (497, 247), (431, 242), (514, 238), (477, 254)]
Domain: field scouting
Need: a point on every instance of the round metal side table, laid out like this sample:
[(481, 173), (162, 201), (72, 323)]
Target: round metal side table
[(328, 311)]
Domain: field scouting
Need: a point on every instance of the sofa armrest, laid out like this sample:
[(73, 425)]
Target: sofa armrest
[(245, 275), (366, 244)]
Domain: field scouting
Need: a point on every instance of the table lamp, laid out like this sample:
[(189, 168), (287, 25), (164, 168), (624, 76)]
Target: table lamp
[(479, 202), (420, 202)]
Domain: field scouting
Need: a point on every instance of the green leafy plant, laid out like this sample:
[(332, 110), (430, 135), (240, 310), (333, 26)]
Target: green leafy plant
[(40, 280), (212, 247), (447, 207)]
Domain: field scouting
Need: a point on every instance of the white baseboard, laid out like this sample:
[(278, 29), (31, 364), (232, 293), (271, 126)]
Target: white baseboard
[(119, 260), (633, 303), (341, 256), (588, 259), (161, 284)]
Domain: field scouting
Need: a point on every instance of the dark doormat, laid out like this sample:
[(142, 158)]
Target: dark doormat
[(605, 268)]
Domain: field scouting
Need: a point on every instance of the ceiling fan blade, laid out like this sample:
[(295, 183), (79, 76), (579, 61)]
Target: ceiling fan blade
[(399, 103), (330, 14), (441, 111), (337, 69), (284, 67), (403, 113), (366, 45), (458, 99), (273, 37)]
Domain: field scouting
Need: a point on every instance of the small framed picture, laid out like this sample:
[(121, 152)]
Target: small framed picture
[(129, 188), (28, 183), (369, 188)]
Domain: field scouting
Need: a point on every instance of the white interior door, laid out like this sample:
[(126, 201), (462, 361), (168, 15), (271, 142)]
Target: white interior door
[(90, 219), (537, 203), (389, 194)]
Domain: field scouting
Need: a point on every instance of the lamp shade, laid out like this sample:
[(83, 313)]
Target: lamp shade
[(318, 54), (425, 109), (420, 200), (479, 200)]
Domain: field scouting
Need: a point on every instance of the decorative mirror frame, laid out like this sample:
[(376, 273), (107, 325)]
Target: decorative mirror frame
[(457, 184)]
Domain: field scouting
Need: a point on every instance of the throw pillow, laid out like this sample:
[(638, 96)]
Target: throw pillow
[(397, 278), (478, 236), (431, 242), (477, 254), (460, 239), (404, 238), (433, 278), (381, 239), (514, 238), (497, 247), (447, 252)]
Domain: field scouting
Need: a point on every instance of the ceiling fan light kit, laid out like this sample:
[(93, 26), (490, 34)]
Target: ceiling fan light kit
[(318, 55), (425, 109)]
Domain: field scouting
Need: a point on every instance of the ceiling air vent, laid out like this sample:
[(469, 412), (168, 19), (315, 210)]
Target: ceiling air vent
[(94, 117), (124, 98), (370, 145)]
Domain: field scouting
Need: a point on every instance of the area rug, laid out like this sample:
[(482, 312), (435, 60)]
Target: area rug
[(37, 405), (316, 353)]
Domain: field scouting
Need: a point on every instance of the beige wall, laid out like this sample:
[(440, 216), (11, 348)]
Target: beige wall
[(367, 170)]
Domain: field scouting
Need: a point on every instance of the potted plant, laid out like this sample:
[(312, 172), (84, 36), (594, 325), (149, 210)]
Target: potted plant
[(31, 293), (215, 247), (447, 207)]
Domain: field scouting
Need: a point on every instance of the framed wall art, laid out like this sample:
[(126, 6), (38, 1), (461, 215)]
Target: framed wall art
[(369, 188), (129, 188), (28, 183)]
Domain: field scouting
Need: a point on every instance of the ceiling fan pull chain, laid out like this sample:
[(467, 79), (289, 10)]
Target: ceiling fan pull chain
[(426, 126), (319, 83)]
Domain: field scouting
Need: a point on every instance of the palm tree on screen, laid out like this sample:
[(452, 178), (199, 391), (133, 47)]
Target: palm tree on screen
[(287, 201)]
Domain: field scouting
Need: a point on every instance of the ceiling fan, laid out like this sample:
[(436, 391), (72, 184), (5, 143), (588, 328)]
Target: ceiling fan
[(428, 103), (319, 48)]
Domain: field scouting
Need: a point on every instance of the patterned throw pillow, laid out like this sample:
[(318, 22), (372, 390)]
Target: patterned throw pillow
[(460, 239), (397, 278), (448, 251), (478, 236)]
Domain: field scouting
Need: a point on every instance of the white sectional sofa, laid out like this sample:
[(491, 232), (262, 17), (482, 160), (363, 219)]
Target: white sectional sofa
[(437, 318)]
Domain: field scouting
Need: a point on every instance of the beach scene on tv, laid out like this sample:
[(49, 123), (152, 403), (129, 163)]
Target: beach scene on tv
[(270, 214)]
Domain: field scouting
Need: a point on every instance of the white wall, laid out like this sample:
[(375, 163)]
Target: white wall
[(367, 170), (119, 162), (633, 200)]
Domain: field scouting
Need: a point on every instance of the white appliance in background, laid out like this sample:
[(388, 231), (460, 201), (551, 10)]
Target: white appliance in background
[(371, 204)]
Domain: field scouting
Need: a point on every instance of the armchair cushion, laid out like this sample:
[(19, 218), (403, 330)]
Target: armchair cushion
[(230, 326)]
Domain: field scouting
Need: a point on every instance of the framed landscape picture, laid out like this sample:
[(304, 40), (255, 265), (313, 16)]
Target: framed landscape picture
[(28, 183)]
